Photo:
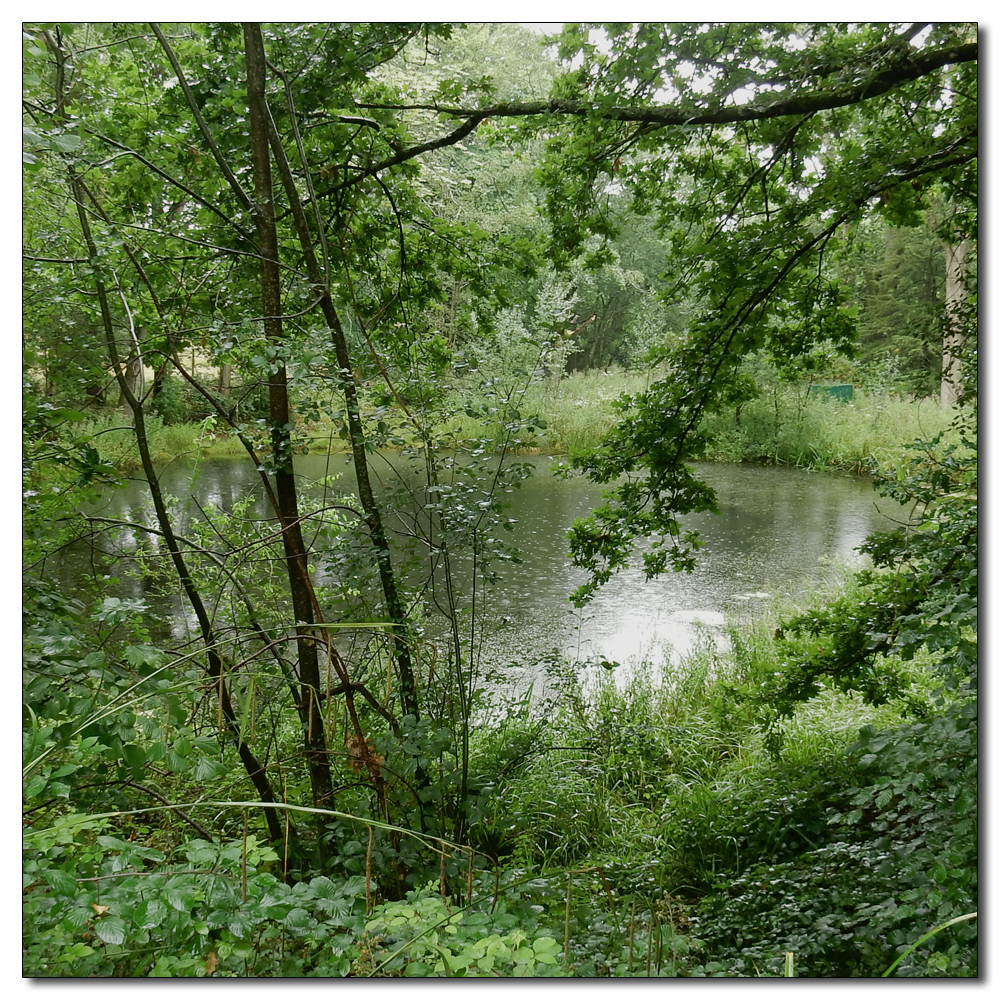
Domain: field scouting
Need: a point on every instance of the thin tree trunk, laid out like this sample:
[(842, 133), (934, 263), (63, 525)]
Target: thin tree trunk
[(303, 598), (254, 768), (277, 824), (402, 639), (133, 371), (954, 299)]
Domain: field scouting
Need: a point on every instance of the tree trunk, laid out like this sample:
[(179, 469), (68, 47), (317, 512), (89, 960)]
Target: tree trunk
[(216, 669), (402, 638), (303, 598), (954, 299), (279, 831), (133, 373)]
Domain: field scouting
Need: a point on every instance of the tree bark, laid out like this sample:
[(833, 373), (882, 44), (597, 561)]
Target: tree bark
[(132, 372), (402, 639), (303, 597), (954, 298), (216, 666)]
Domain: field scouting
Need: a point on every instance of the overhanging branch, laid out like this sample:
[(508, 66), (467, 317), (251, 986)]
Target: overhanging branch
[(909, 67)]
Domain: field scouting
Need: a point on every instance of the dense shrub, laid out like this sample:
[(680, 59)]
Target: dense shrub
[(901, 858)]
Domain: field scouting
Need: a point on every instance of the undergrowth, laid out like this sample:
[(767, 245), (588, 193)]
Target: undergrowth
[(112, 435), (838, 833), (665, 822), (791, 427)]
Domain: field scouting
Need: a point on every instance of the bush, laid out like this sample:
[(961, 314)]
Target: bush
[(425, 937), (170, 403), (98, 905), (901, 858)]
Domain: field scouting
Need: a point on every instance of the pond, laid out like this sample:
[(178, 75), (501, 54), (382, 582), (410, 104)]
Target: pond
[(779, 532)]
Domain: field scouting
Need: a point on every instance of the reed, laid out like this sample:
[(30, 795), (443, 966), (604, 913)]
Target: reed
[(570, 415), (113, 436), (789, 428), (785, 426)]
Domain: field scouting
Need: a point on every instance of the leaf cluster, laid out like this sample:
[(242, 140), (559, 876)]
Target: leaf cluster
[(921, 596)]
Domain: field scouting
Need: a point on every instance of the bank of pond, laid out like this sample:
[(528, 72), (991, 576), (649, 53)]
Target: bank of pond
[(633, 806)]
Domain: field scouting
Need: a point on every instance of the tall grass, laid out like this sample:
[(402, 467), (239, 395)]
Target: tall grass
[(789, 427), (784, 426), (577, 411), (114, 438), (649, 774), (661, 795)]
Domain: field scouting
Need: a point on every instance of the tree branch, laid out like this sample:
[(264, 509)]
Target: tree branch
[(908, 67), (241, 195), (126, 151)]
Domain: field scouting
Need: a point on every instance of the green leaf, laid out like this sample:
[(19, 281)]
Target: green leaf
[(134, 757), (180, 897), (35, 786), (144, 656), (149, 914), (66, 143), (62, 881), (324, 888), (111, 930), (207, 769), (77, 917)]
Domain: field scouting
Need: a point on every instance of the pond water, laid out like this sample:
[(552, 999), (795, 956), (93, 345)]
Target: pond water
[(779, 532)]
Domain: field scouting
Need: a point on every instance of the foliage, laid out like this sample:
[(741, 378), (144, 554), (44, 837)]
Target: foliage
[(900, 857), (897, 278), (753, 208), (648, 787), (922, 594), (100, 905), (788, 425), (423, 936)]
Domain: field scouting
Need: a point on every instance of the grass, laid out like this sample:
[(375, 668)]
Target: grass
[(689, 731), (563, 416), (662, 790), (577, 411), (114, 438), (785, 428)]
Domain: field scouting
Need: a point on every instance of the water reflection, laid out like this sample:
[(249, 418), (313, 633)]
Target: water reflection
[(777, 533)]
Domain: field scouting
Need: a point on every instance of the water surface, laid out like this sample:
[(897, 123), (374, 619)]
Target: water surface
[(778, 532)]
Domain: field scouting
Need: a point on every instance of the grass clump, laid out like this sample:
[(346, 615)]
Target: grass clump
[(114, 438), (551, 415), (790, 427)]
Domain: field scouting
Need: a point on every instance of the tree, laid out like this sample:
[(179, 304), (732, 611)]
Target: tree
[(776, 136), (954, 339), (304, 684), (193, 255)]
